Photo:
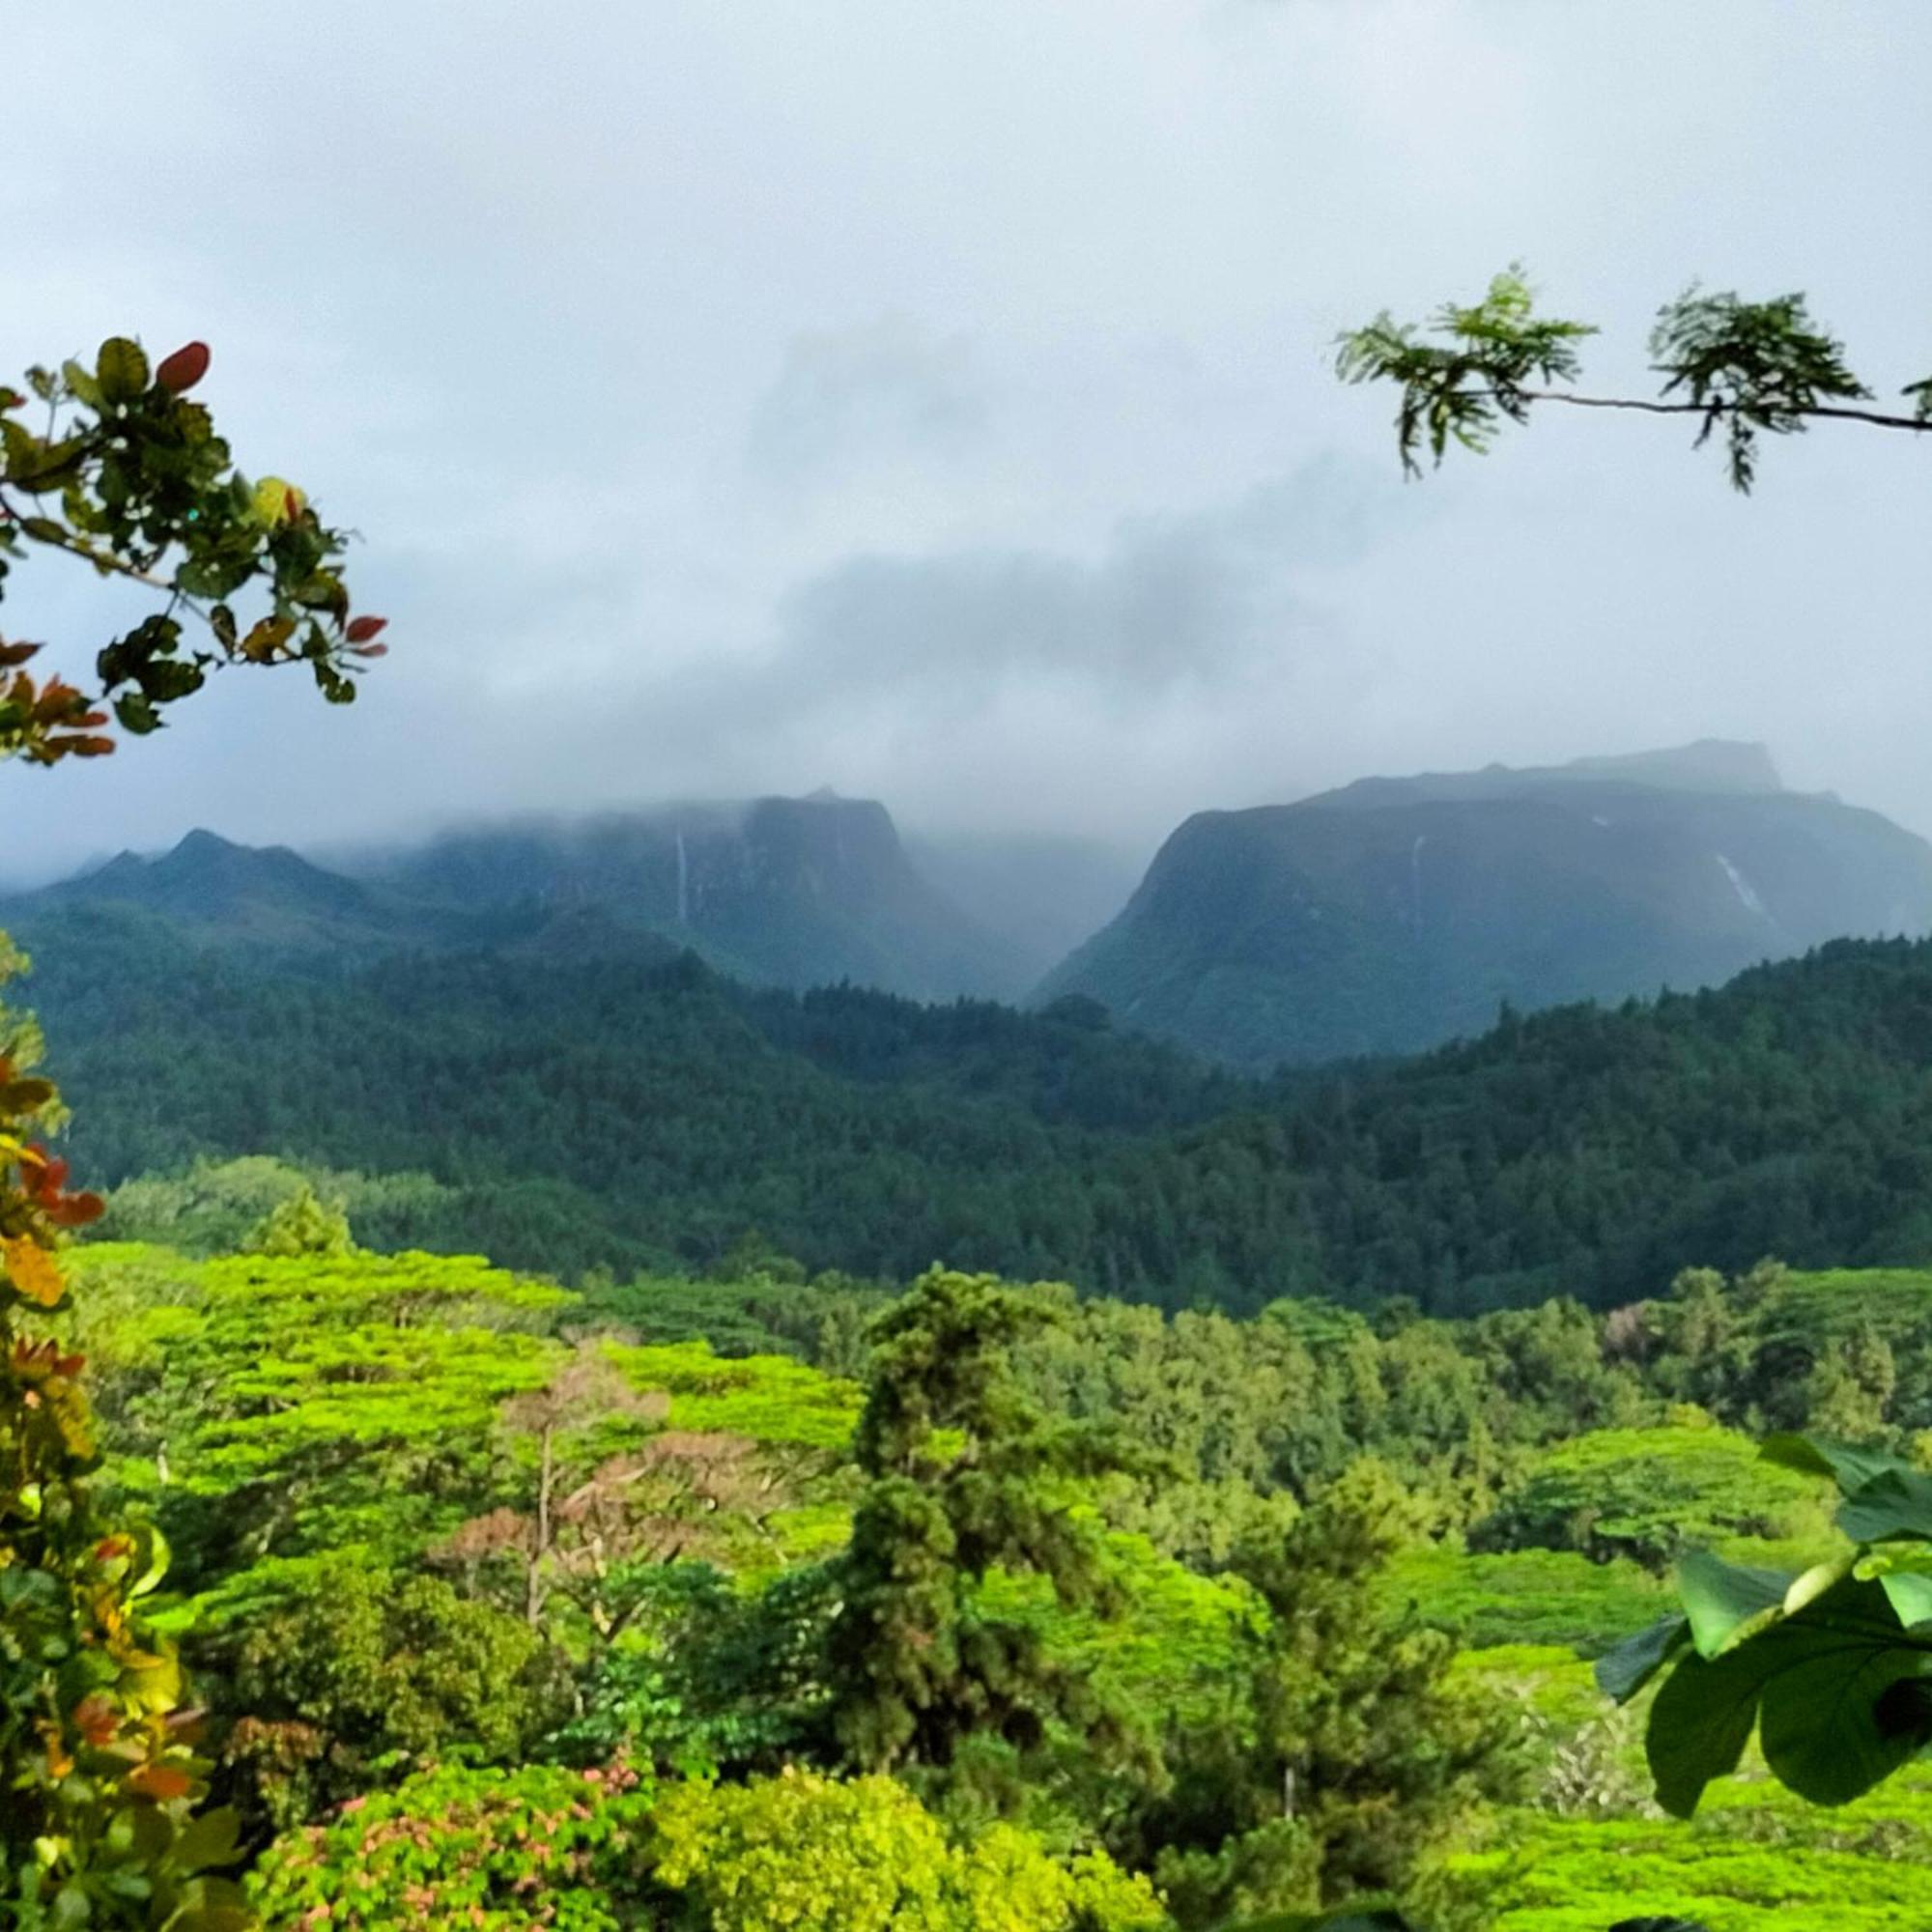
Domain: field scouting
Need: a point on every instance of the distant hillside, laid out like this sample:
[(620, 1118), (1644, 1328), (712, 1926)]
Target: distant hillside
[(589, 1109), (1397, 913), (779, 891), (271, 900)]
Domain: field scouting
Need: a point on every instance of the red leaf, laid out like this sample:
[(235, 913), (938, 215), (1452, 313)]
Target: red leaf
[(75, 1210), (184, 369), (161, 1783), (361, 629)]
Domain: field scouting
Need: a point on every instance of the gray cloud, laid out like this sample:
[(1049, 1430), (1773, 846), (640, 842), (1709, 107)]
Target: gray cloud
[(884, 388), (938, 403)]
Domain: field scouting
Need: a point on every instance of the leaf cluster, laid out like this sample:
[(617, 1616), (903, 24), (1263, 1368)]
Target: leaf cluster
[(128, 476), (1461, 389), (1751, 368)]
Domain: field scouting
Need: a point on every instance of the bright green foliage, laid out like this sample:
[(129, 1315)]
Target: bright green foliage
[(1649, 1495), (1749, 368), (269, 1407), (301, 1225), (803, 1854), (453, 1847), (215, 1206), (963, 1474), (1754, 1861), (1460, 390), (768, 1397), (1169, 1655), (1553, 1596), (367, 1668)]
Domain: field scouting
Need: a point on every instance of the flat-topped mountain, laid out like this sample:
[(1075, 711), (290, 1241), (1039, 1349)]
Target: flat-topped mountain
[(791, 891), (1397, 913)]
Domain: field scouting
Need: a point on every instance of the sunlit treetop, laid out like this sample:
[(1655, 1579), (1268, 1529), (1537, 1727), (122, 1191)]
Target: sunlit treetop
[(1740, 369), (117, 467)]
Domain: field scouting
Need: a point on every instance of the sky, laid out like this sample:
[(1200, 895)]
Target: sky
[(936, 401)]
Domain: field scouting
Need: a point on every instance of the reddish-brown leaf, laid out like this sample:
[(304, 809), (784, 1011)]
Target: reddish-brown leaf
[(184, 369)]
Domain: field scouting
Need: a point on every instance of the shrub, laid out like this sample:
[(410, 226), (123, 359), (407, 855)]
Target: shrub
[(493, 1850), (807, 1854)]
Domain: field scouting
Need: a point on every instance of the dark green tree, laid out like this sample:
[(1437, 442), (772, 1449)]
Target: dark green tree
[(362, 1675), (963, 1473), (1362, 1755)]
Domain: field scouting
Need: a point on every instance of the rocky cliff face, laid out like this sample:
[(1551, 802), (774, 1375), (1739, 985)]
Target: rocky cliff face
[(793, 892), (1395, 914)]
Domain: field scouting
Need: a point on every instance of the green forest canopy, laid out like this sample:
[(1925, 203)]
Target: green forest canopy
[(574, 1116)]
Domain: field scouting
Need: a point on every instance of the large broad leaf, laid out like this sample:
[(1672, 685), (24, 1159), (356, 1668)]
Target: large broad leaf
[(1703, 1718), (1724, 1602), (1838, 1690), (1849, 1705), (1894, 1506), (1622, 1672), (1849, 1466)]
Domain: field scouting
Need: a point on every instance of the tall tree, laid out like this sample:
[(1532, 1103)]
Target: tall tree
[(963, 1473)]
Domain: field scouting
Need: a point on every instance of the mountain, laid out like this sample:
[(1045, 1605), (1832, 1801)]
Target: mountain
[(776, 892), (789, 892), (265, 899), (1398, 912)]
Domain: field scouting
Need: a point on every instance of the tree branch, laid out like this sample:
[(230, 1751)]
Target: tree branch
[(1922, 424)]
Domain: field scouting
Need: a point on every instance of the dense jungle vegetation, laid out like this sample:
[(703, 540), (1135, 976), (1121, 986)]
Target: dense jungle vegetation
[(710, 1602), (1583, 1150)]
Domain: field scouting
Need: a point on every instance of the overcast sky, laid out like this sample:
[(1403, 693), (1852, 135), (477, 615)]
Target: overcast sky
[(934, 401)]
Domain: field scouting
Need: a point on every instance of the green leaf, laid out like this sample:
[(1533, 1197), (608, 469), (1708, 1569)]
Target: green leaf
[(1622, 1672), (1846, 1705), (1724, 1602), (83, 386), (1910, 1595), (136, 714), (211, 1839), (1847, 1465), (121, 369), (1703, 1718), (1378, 1920), (1894, 1506)]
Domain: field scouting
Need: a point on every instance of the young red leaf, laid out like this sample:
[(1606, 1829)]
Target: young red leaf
[(361, 629), (184, 369)]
